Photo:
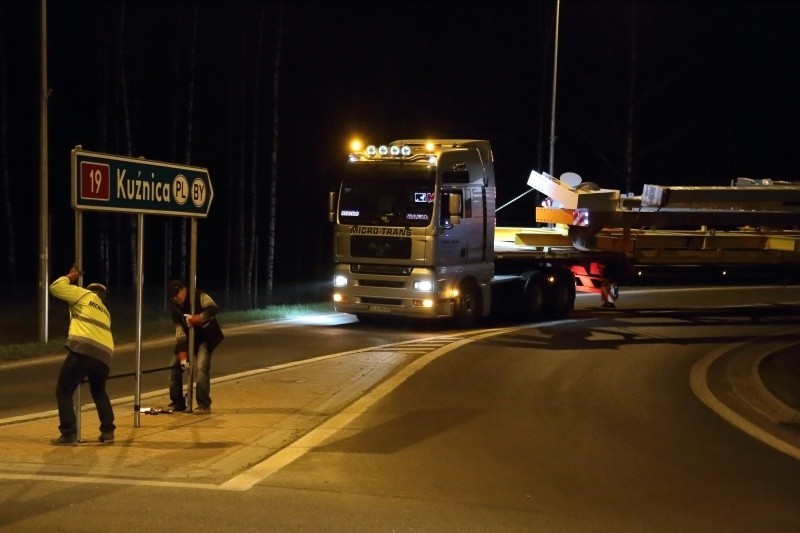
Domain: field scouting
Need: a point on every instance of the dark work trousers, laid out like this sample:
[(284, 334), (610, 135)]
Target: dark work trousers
[(176, 383), (202, 362), (76, 367)]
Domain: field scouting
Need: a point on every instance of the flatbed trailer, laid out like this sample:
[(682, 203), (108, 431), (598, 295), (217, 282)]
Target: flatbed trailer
[(749, 224)]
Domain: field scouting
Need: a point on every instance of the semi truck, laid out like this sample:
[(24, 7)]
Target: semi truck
[(416, 235)]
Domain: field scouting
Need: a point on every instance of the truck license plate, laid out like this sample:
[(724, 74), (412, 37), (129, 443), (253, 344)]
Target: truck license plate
[(380, 309)]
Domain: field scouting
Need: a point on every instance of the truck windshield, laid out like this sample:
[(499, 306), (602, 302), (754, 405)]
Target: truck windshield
[(387, 194)]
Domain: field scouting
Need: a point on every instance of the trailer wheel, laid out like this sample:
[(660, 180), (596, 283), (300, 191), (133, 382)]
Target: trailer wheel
[(561, 294), (534, 295), (468, 305)]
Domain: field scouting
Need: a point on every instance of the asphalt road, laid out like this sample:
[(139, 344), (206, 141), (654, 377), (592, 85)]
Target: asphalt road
[(587, 424), (28, 386)]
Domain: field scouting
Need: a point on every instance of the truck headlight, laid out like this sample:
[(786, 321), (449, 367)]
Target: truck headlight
[(423, 286), (339, 281)]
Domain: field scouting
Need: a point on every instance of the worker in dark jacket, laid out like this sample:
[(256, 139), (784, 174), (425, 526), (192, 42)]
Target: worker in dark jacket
[(90, 347), (208, 335)]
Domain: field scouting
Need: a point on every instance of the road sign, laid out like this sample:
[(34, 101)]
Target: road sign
[(102, 182)]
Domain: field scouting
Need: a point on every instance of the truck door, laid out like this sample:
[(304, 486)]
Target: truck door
[(451, 246), (462, 217)]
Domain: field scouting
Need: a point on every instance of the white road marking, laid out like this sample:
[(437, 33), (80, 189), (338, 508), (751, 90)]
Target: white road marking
[(439, 345), (698, 380)]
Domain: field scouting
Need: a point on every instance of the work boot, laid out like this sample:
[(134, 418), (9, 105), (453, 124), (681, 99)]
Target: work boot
[(107, 437), (179, 407), (65, 440)]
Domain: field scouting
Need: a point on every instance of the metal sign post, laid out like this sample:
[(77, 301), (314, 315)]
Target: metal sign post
[(139, 297), (192, 292), (76, 399)]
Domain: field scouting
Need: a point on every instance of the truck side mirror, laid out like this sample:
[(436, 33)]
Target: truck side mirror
[(331, 206), (452, 210)]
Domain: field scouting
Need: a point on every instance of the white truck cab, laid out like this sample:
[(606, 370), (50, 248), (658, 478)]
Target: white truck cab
[(414, 229)]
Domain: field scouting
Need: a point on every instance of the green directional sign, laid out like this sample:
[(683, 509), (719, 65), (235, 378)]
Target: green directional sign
[(102, 182)]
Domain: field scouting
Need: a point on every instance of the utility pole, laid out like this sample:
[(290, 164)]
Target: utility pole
[(44, 209), (553, 104)]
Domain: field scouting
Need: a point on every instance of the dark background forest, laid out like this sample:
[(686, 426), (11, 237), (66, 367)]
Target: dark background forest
[(267, 95)]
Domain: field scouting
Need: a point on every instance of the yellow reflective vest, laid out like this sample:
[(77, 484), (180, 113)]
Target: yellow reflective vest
[(90, 322)]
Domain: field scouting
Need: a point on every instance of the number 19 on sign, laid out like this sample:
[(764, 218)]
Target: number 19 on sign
[(95, 181)]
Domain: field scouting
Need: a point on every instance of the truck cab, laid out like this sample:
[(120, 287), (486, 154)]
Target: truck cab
[(414, 228)]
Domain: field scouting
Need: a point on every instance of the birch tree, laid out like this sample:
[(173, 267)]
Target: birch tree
[(8, 213), (189, 122), (251, 264), (240, 196), (273, 183), (127, 135)]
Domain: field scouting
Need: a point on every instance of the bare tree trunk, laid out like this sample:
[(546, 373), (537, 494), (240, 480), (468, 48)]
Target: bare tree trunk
[(102, 126), (184, 226), (273, 185), (251, 266), (229, 180), (243, 295), (127, 136), (118, 249), (229, 197), (169, 226), (8, 223)]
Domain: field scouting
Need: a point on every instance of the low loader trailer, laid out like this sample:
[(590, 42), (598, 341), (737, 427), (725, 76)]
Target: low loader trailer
[(415, 235)]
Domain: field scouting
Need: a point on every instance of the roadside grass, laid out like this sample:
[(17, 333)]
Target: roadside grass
[(20, 325)]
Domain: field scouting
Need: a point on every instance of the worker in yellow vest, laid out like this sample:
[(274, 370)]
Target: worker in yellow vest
[(90, 346)]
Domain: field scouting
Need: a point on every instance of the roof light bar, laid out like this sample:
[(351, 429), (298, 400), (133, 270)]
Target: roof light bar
[(426, 153)]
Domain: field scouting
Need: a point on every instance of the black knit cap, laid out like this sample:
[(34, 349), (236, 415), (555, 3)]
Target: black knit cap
[(98, 288), (174, 287)]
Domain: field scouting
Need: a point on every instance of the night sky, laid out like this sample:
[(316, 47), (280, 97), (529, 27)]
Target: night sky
[(715, 94)]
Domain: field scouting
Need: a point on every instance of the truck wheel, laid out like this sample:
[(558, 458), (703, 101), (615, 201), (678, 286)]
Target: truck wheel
[(534, 296), (468, 305), (561, 294)]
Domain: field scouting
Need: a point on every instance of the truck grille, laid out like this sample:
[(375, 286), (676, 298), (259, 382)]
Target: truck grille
[(392, 270), (380, 247), (381, 283), (381, 301)]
